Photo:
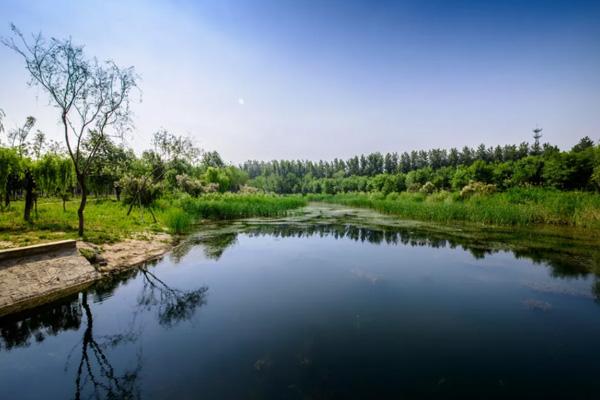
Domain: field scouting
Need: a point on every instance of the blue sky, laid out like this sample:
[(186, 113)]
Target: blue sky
[(325, 79)]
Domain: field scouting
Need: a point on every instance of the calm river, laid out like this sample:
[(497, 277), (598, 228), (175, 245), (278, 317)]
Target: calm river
[(330, 306)]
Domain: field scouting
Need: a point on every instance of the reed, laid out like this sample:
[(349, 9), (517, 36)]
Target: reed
[(517, 206)]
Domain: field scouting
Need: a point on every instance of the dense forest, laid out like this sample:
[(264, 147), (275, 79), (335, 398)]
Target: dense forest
[(502, 166)]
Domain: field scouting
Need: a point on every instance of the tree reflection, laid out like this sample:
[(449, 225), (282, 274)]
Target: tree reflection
[(173, 305), (213, 246), (95, 367), (96, 375), (18, 329), (562, 254), (565, 261)]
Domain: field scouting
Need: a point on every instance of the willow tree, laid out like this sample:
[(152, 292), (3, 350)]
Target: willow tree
[(9, 167), (92, 98)]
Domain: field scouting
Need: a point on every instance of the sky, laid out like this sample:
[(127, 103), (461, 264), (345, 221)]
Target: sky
[(322, 79)]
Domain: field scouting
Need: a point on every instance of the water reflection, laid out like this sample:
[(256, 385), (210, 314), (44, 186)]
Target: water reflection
[(275, 339), (565, 258), (95, 369), (213, 245), (95, 374), (19, 329), (173, 305)]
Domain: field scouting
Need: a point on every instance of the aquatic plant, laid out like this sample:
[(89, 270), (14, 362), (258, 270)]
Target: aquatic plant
[(516, 206)]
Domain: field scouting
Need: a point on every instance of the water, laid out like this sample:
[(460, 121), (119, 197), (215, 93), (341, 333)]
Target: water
[(295, 311)]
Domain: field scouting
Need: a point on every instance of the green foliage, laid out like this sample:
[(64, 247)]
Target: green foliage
[(140, 190), (10, 164), (516, 206), (178, 221), (572, 170), (189, 185), (596, 177), (54, 174), (107, 220), (477, 188), (528, 171), (427, 188), (232, 206), (506, 167), (481, 171)]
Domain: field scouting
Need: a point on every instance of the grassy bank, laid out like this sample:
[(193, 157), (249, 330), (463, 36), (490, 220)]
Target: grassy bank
[(518, 206), (182, 213), (107, 221)]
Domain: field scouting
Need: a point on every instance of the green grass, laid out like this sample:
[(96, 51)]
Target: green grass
[(518, 206), (106, 220), (233, 206), (178, 221)]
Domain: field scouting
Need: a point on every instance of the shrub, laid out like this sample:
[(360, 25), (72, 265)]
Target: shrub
[(474, 188), (595, 179), (427, 188), (245, 189), (439, 197), (189, 185), (140, 189)]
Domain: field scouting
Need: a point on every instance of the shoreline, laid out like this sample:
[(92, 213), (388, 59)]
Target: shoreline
[(30, 281), (113, 258)]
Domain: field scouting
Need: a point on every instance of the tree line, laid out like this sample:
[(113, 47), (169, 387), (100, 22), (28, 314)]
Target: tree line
[(437, 169), (174, 164)]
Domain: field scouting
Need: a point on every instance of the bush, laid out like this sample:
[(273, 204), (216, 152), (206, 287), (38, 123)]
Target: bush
[(595, 179), (189, 185), (245, 189), (427, 188), (140, 189), (479, 188), (440, 197)]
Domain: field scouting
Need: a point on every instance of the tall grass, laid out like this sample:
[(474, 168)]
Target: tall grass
[(232, 206), (177, 220), (517, 206)]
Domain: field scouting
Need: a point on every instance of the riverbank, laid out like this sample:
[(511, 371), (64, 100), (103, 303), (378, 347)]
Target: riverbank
[(555, 245), (519, 206), (114, 241), (36, 277), (107, 220)]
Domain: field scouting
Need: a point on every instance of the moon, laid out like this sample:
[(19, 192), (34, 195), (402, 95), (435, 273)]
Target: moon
[(241, 101)]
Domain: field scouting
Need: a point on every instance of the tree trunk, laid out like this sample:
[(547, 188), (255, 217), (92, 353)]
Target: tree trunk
[(130, 208), (29, 185), (81, 180), (64, 203)]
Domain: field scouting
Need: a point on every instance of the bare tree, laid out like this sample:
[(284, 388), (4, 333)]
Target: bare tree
[(2, 115), (17, 137), (92, 97)]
